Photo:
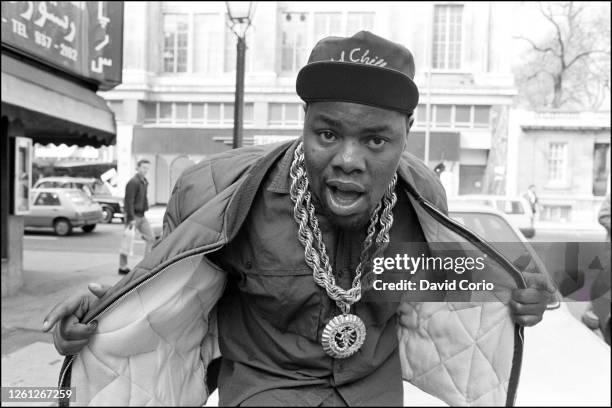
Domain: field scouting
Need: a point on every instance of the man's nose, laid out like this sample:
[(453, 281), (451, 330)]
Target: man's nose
[(349, 157)]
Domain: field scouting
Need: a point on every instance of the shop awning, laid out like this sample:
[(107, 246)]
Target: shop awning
[(53, 109)]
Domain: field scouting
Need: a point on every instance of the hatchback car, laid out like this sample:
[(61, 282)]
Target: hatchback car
[(63, 209), (517, 209), (112, 206)]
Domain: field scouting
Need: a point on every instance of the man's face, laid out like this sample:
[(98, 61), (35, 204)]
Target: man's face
[(143, 169), (351, 153)]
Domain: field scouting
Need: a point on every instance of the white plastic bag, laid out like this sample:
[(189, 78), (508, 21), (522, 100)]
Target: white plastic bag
[(127, 241)]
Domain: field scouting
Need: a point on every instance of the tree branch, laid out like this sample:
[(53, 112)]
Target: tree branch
[(534, 46), (559, 38), (581, 55)]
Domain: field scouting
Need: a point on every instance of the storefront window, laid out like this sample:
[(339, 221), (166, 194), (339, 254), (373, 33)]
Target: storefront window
[(23, 174)]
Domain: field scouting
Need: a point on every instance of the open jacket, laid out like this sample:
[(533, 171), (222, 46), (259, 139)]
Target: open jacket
[(157, 332)]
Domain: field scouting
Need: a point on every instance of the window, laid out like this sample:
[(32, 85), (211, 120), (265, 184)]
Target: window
[(175, 42), (294, 52), (481, 116), (557, 162), (359, 21), (447, 36), (208, 43), (327, 24), (285, 114), (601, 168), (421, 115), (165, 112), (47, 199), (463, 115), (443, 115), (150, 114), (182, 112), (454, 116), (195, 113)]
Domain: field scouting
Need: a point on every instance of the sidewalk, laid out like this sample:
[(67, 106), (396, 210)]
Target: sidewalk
[(29, 358)]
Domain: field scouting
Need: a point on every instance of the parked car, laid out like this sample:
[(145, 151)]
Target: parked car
[(516, 209), (63, 209), (564, 363), (112, 206)]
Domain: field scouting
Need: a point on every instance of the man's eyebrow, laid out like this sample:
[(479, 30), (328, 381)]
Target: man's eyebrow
[(328, 120), (337, 124), (376, 129)]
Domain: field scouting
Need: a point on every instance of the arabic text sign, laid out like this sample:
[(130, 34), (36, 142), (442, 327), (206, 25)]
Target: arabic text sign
[(80, 37)]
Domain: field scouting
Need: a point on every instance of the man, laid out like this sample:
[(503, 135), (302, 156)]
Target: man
[(136, 204), (261, 263)]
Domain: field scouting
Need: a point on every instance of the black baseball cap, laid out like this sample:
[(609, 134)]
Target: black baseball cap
[(364, 68)]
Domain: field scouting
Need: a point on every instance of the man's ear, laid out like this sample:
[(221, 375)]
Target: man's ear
[(409, 122)]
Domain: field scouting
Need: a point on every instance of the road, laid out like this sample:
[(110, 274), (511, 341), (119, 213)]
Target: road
[(104, 239)]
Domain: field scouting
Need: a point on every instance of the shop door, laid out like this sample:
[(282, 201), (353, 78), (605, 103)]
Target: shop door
[(470, 179)]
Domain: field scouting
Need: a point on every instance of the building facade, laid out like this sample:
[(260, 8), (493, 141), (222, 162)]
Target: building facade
[(55, 56), (566, 156), (175, 106)]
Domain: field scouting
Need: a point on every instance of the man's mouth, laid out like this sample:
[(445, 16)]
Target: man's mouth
[(345, 198)]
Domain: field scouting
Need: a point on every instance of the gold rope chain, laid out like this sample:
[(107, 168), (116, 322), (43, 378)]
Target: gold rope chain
[(310, 237)]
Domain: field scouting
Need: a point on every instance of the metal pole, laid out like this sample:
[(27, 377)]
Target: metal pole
[(239, 99)]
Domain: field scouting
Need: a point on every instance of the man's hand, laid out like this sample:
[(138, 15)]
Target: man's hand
[(69, 335), (528, 305)]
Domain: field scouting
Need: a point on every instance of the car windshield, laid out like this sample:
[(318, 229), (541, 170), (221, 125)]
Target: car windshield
[(78, 197)]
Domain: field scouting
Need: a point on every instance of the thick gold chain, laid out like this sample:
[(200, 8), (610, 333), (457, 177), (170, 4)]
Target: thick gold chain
[(310, 237)]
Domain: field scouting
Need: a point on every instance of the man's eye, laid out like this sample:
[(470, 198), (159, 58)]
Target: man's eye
[(327, 136), (376, 142)]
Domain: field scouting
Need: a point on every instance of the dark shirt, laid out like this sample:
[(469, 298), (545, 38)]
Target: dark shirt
[(273, 313), (135, 201)]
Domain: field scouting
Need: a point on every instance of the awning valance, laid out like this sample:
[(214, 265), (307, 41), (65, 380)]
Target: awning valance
[(53, 109)]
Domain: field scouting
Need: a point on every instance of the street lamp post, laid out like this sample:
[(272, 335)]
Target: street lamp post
[(240, 14)]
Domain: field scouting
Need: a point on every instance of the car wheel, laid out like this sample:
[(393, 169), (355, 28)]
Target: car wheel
[(88, 228), (107, 215), (62, 227)]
